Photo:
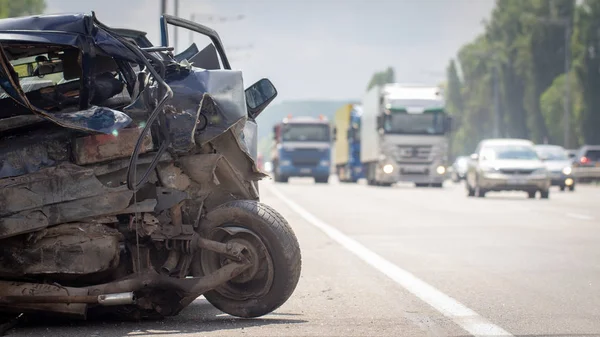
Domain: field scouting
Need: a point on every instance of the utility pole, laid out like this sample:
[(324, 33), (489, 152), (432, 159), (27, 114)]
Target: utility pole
[(566, 23), (163, 7), (567, 84), (175, 35), (496, 101)]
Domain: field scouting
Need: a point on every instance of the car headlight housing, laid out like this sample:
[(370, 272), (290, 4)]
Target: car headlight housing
[(440, 170), (489, 169), (388, 168), (567, 170)]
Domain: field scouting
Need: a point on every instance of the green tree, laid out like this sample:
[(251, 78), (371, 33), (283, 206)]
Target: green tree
[(382, 77), (12, 8), (552, 106), (586, 47), (455, 107)]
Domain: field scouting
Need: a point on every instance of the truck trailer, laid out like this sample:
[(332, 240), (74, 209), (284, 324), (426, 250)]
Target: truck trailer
[(347, 143), (404, 135)]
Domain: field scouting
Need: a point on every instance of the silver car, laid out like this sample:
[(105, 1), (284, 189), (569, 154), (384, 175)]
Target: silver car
[(507, 165), (559, 164)]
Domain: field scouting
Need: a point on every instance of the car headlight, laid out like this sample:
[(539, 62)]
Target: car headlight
[(440, 170), (567, 170), (388, 168), (489, 169), (286, 162), (324, 163)]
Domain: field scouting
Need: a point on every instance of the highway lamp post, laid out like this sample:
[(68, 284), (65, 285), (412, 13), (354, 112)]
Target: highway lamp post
[(566, 23)]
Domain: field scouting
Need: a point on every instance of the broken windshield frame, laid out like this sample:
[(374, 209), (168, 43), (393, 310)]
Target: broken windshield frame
[(167, 19)]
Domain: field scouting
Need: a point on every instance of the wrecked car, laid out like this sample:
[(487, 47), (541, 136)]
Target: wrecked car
[(128, 182)]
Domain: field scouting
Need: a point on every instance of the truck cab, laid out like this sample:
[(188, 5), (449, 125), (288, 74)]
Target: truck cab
[(404, 135), (302, 148)]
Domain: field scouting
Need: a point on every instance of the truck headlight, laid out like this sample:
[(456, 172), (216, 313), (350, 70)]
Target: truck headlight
[(440, 170), (388, 168), (324, 163), (567, 170), (286, 162)]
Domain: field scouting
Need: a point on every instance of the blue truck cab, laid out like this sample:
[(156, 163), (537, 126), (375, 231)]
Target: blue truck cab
[(302, 148)]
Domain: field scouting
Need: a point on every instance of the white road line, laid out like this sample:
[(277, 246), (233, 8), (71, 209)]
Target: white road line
[(579, 216), (449, 307)]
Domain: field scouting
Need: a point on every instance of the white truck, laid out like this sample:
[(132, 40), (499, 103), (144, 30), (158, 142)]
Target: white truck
[(404, 135)]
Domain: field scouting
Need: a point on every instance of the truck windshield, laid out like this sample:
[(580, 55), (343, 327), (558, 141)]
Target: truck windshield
[(306, 132), (423, 123)]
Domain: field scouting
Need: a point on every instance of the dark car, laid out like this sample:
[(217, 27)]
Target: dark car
[(559, 165), (587, 163)]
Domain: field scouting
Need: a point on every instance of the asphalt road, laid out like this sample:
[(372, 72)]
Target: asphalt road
[(403, 261)]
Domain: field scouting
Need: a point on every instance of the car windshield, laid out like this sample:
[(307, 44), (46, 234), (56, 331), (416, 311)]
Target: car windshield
[(552, 153), (509, 152), (306, 132)]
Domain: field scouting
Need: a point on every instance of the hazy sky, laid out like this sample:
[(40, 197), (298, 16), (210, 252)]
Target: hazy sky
[(317, 49)]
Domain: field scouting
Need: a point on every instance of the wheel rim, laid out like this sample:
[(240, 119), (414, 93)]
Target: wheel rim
[(254, 282)]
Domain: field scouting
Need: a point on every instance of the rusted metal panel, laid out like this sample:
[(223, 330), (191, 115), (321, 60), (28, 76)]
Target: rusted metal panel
[(53, 185), (25, 222), (68, 249), (98, 148), (34, 289)]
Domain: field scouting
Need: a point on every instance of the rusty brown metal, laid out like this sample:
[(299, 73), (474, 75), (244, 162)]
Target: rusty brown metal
[(35, 289), (98, 148)]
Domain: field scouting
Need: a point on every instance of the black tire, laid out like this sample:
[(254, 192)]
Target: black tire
[(437, 185), (480, 192), (470, 190), (531, 194), (572, 188), (281, 244), (421, 185), (562, 188), (545, 194)]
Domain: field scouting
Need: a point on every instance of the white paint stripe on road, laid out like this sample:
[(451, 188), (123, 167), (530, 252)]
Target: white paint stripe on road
[(449, 307), (579, 216)]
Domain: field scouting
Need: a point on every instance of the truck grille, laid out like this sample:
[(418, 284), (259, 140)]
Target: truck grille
[(516, 171), (307, 157), (414, 153)]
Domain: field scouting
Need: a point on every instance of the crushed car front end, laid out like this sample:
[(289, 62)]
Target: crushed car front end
[(119, 158)]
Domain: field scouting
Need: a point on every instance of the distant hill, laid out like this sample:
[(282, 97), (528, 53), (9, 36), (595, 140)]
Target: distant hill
[(278, 111)]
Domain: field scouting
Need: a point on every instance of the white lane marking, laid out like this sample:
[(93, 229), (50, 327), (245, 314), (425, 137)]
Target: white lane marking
[(464, 317), (579, 216)]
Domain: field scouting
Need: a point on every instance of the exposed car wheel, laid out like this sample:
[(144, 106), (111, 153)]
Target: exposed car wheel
[(272, 248), (531, 194), (572, 188), (545, 194), (437, 185), (470, 190), (562, 188), (480, 192)]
